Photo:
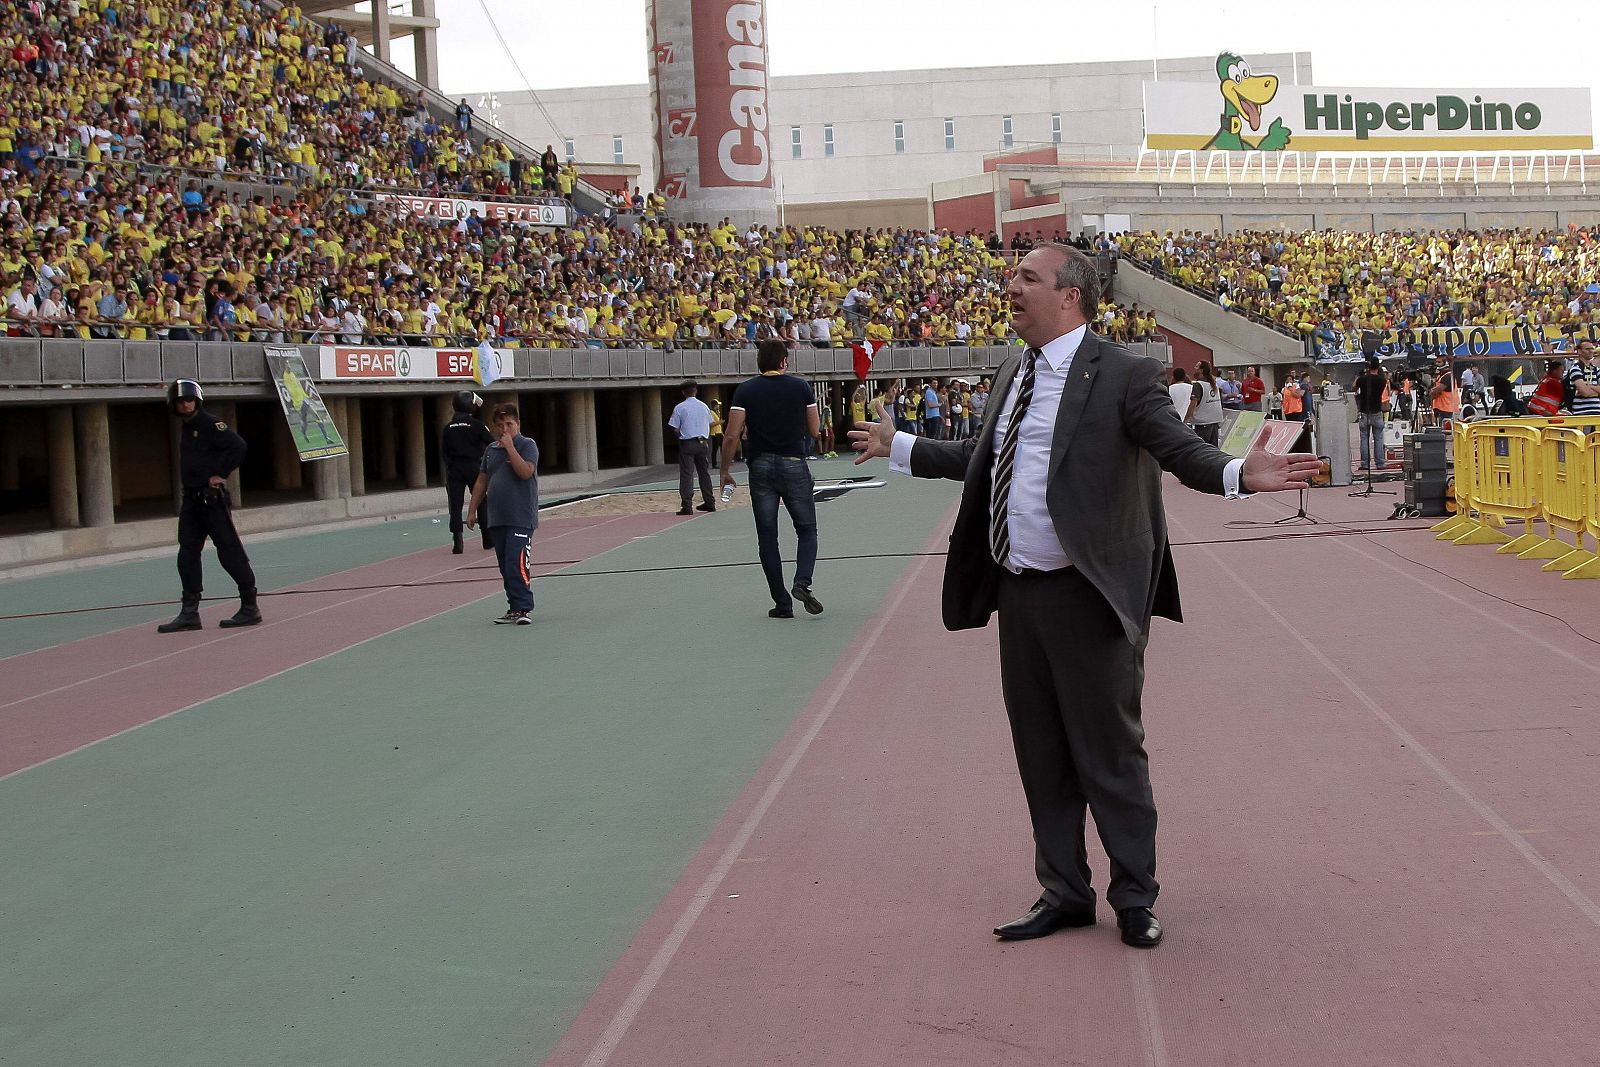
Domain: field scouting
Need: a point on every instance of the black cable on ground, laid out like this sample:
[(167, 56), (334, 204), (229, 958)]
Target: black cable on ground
[(1353, 532), (1464, 584)]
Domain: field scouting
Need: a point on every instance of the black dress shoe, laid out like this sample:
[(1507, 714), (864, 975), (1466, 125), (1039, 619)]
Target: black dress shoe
[(707, 506), (1043, 920), (684, 511), (1139, 927)]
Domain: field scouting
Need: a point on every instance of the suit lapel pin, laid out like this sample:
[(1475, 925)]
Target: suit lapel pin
[(1086, 375)]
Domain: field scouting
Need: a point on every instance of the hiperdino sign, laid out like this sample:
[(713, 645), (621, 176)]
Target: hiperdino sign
[(1247, 110)]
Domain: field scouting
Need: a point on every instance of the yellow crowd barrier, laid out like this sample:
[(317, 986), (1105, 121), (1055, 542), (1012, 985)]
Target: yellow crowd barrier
[(1528, 472)]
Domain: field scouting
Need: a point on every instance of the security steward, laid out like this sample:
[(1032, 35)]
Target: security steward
[(208, 452), (461, 449)]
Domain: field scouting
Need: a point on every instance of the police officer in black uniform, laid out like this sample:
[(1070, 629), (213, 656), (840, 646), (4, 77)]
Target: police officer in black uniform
[(208, 453), (461, 456)]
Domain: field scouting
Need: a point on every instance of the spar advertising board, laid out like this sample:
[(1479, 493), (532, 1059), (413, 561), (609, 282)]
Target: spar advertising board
[(1249, 110), (401, 364), (456, 208)]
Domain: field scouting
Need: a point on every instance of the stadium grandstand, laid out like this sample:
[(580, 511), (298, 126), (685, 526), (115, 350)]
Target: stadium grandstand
[(664, 831)]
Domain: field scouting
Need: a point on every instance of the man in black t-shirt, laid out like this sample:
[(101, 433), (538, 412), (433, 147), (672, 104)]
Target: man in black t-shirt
[(777, 415), (1369, 414)]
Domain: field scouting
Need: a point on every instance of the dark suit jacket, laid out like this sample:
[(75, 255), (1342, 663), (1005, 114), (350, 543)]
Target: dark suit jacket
[(1115, 430)]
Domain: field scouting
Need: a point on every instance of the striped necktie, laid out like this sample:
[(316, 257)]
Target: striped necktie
[(1005, 464)]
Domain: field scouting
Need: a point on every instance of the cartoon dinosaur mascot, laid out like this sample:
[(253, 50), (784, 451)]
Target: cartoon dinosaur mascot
[(1243, 96)]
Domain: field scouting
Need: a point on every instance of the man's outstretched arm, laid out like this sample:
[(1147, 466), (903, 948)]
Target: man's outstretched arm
[(931, 459)]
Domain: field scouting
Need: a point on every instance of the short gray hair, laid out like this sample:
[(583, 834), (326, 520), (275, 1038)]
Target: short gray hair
[(1077, 271)]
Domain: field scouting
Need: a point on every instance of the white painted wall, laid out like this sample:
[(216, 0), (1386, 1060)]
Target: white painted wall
[(1101, 108)]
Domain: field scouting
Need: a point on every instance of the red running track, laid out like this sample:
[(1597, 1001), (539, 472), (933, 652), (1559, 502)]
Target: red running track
[(60, 699), (1367, 859)]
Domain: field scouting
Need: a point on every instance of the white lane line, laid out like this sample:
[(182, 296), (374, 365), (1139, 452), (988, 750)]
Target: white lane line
[(1144, 1000), (211, 555), (1493, 818), (274, 674), (289, 618), (647, 982)]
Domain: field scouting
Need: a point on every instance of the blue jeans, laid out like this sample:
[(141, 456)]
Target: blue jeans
[(786, 478), (513, 548), (1370, 427)]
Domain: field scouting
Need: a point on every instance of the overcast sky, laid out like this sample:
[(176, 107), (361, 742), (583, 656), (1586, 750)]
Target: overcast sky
[(1400, 43)]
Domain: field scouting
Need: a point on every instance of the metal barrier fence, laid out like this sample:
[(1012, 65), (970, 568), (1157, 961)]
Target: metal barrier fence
[(32, 369), (1532, 472)]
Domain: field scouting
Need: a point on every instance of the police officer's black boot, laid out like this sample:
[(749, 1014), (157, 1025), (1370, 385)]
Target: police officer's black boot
[(188, 618), (456, 544), (247, 615)]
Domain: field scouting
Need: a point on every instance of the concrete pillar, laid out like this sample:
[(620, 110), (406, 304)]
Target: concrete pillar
[(444, 409), (337, 406), (577, 424), (388, 441), (227, 411), (380, 29), (636, 428), (63, 469), (285, 457), (416, 444), (352, 439), (592, 429), (94, 465), (426, 45), (655, 428), (324, 474)]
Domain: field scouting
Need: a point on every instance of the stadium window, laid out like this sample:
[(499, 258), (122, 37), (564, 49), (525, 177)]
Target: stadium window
[(899, 135), (616, 148), (827, 140), (794, 141), (1055, 128), (949, 135), (1005, 131), (572, 152)]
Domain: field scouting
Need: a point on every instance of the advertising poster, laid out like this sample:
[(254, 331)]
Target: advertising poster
[(315, 436)]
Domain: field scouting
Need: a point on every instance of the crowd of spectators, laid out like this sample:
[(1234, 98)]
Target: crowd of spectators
[(1327, 282), (113, 252), (111, 109), (230, 87)]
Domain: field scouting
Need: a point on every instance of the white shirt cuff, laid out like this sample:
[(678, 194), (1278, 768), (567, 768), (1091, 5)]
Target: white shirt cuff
[(1230, 481), (900, 452)]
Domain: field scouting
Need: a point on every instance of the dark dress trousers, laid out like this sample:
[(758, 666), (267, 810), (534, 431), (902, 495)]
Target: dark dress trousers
[(1072, 642)]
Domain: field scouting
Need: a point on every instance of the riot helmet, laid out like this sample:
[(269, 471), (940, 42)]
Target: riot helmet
[(469, 403), (184, 389)]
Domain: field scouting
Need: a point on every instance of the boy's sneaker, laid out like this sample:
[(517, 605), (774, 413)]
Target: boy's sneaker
[(804, 594), (521, 618), (507, 619)]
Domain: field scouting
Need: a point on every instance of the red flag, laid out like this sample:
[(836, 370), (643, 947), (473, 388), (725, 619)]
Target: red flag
[(864, 353)]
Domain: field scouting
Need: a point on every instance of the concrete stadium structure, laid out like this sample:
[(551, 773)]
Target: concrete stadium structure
[(88, 450), (862, 149)]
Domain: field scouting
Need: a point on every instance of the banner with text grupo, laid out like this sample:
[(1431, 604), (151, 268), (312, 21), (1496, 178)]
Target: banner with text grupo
[(455, 208), (403, 364), (1450, 342), (1247, 110)]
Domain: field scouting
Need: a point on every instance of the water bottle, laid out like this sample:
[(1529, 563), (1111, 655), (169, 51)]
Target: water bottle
[(727, 492)]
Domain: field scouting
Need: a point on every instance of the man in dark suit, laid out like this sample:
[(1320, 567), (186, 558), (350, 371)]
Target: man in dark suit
[(1061, 530)]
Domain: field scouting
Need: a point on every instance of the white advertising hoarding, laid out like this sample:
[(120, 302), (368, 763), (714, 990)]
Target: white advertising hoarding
[(455, 208), (1247, 110)]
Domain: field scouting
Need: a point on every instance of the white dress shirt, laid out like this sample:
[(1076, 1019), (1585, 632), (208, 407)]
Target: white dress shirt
[(1034, 544), (691, 419)]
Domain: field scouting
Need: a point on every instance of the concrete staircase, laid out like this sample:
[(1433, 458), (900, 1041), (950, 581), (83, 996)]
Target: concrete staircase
[(1232, 339)]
